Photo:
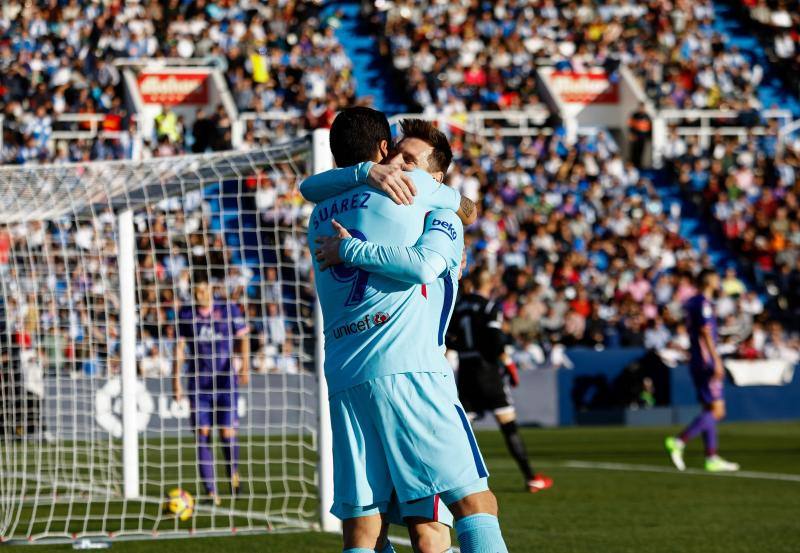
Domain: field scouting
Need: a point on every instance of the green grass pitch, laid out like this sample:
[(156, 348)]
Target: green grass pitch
[(614, 492)]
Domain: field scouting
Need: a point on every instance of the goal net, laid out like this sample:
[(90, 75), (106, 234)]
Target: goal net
[(100, 264)]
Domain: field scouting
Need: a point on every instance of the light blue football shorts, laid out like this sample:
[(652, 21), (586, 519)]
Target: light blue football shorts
[(430, 508), (405, 434)]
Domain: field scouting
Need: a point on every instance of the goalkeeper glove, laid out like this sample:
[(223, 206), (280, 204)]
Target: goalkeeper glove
[(513, 372)]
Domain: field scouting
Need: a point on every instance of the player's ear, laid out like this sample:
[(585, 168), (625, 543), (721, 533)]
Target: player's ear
[(383, 149), (438, 176)]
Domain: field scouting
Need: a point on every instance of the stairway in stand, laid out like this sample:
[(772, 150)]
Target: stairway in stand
[(371, 71)]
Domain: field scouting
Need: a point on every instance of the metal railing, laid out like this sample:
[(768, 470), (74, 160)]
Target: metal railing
[(705, 124), (95, 129), (786, 132), (489, 123), (706, 118), (271, 116), (81, 126), (155, 63)]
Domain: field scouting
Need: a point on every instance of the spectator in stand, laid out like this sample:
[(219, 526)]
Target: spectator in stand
[(66, 303), (583, 249), (482, 55), (777, 23), (639, 128), (204, 132), (754, 199), (57, 58)]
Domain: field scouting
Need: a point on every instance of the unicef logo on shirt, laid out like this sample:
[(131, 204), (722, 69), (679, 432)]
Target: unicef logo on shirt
[(380, 317), (361, 325)]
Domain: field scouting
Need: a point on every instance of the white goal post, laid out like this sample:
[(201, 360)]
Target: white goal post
[(100, 264)]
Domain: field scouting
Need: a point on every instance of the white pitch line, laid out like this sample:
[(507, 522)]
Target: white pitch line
[(624, 467)]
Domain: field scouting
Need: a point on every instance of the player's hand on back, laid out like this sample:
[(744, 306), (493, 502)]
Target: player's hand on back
[(391, 180), (327, 252), (463, 264)]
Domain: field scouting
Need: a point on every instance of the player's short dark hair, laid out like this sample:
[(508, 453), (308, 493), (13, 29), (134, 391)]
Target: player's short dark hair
[(426, 131), (704, 277), (356, 134), (480, 276)]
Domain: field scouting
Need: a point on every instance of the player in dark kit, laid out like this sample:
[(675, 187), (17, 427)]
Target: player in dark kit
[(476, 333), (708, 375), (209, 333)]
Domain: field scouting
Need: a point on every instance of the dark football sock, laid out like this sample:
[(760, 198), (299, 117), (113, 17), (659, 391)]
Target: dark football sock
[(517, 448)]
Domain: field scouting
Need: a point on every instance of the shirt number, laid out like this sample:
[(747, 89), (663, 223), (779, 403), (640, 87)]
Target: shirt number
[(358, 277)]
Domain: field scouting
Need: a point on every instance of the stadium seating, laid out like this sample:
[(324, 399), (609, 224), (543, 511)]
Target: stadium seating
[(585, 251), (777, 24), (588, 251), (80, 334), (481, 55), (750, 192), (59, 60)]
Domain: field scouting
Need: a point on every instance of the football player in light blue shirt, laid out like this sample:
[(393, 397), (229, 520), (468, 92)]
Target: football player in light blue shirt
[(398, 425), (433, 263)]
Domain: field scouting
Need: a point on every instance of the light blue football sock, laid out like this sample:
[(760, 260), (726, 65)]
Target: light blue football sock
[(480, 534), (358, 550)]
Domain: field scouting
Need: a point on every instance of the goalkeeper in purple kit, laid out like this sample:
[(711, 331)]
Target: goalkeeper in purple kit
[(209, 332)]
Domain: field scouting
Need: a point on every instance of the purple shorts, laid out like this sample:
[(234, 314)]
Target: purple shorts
[(214, 407), (709, 389)]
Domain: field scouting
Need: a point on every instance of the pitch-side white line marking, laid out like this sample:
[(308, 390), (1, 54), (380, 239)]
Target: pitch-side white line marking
[(624, 467)]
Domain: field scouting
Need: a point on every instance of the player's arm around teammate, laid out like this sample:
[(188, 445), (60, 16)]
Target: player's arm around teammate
[(406, 417), (390, 177), (435, 252), (421, 263)]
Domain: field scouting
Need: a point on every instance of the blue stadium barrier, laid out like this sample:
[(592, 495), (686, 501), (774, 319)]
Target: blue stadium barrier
[(744, 403), (545, 397), (589, 362)]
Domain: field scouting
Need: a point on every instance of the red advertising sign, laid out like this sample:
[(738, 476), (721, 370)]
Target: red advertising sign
[(585, 88), (173, 88)]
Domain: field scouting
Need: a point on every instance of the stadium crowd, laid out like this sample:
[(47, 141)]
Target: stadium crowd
[(777, 23), (478, 55), (586, 253), (584, 249), (59, 59), (751, 192), (61, 293)]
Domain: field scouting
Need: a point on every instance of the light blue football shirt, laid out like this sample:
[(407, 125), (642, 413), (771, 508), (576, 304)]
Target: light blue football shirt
[(375, 325), (433, 261)]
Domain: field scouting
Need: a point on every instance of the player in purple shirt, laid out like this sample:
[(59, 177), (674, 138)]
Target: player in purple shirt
[(708, 374), (208, 334)]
